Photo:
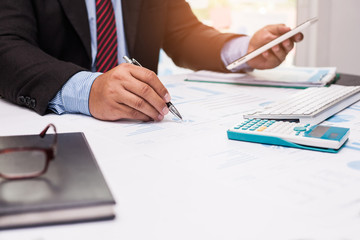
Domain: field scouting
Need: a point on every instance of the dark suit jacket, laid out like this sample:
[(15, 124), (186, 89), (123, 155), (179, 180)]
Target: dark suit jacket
[(44, 42)]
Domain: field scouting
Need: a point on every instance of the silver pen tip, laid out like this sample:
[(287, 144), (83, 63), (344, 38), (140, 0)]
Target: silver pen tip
[(173, 110)]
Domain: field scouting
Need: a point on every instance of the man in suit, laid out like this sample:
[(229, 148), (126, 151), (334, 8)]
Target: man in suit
[(49, 58)]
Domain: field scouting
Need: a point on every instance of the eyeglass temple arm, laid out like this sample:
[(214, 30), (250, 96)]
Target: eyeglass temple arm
[(43, 133)]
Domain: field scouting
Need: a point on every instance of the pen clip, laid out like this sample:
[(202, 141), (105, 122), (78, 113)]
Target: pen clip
[(136, 62), (127, 59)]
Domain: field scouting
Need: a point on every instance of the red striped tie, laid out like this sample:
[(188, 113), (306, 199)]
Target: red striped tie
[(106, 57)]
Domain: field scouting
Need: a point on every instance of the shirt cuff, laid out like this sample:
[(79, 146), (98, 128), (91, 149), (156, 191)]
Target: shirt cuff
[(235, 49), (74, 95)]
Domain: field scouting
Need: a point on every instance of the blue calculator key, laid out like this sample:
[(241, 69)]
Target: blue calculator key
[(300, 129)]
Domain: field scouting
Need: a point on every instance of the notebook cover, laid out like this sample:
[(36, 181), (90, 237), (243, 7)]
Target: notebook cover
[(73, 181)]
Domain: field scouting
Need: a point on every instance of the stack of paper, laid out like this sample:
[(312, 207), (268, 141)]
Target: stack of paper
[(298, 77)]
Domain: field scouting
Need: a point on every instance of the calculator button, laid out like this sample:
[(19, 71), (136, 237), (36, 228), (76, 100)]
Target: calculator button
[(261, 129), (299, 128)]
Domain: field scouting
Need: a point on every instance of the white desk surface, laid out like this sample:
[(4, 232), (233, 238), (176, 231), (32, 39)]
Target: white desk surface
[(186, 180)]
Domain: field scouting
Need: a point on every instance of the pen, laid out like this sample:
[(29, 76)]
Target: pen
[(171, 106)]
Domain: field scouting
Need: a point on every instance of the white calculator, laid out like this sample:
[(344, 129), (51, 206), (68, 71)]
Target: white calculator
[(291, 134)]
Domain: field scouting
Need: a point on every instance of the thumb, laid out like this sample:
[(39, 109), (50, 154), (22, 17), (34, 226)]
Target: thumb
[(278, 29)]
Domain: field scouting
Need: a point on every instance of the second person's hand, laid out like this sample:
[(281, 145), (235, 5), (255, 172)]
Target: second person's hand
[(277, 54), (128, 92)]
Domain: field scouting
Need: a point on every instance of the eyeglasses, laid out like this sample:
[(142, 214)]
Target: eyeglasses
[(27, 162)]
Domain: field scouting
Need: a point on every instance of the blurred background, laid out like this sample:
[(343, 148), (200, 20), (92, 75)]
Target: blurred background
[(333, 41), (238, 16)]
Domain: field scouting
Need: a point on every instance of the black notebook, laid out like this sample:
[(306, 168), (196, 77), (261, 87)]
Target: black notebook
[(72, 190)]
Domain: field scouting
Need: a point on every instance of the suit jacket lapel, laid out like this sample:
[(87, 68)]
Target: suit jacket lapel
[(79, 19), (77, 14), (131, 12)]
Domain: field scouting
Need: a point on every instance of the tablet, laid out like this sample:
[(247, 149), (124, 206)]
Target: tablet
[(271, 44)]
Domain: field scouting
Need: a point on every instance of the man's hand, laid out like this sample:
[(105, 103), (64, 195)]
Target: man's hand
[(277, 54), (128, 92)]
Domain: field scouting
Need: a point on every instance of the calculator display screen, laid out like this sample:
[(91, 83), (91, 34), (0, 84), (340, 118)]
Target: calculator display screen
[(319, 131)]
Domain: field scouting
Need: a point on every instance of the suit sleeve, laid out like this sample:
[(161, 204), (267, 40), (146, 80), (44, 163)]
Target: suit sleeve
[(190, 43), (28, 76)]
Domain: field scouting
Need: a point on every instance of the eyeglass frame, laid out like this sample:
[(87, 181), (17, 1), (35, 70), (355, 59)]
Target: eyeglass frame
[(50, 153)]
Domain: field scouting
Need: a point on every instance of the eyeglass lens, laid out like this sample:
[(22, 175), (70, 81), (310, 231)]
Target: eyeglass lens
[(22, 163)]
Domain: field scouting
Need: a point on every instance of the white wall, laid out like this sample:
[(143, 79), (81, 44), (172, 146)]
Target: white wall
[(335, 39)]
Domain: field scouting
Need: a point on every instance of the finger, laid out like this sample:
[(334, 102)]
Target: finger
[(298, 37), (283, 29), (140, 104), (278, 29), (271, 59), (287, 45), (114, 111), (121, 111), (279, 52), (271, 34), (149, 77), (146, 93)]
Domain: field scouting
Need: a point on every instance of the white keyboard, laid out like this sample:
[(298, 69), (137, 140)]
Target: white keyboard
[(311, 105)]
